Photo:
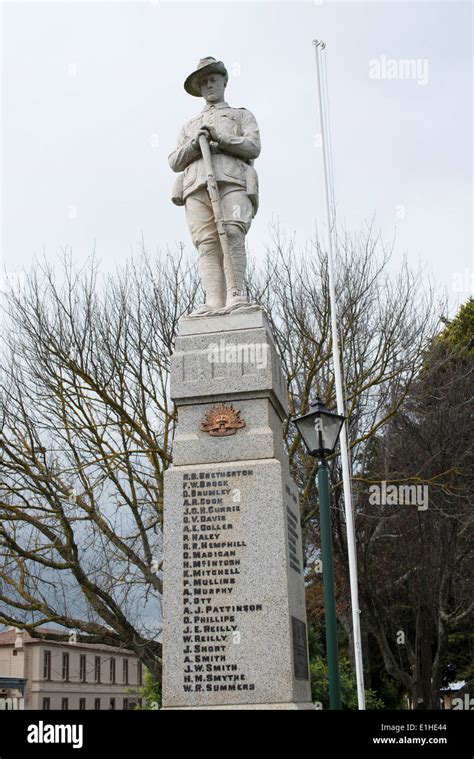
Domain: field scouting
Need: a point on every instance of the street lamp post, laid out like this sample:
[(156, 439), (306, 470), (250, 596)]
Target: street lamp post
[(319, 430)]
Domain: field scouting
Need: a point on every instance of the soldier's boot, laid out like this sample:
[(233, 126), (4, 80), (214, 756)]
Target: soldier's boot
[(212, 276), (236, 295)]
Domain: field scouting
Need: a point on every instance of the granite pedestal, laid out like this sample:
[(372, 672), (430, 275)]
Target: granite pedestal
[(234, 634)]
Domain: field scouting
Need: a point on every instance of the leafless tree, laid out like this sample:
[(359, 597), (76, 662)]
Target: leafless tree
[(87, 427), (385, 323), (87, 423)]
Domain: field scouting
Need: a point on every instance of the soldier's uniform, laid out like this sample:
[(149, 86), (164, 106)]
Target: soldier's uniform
[(232, 160)]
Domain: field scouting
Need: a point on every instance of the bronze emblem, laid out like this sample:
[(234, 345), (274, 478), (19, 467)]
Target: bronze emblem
[(222, 420)]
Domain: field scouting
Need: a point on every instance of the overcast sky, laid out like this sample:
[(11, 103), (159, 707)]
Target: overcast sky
[(93, 100)]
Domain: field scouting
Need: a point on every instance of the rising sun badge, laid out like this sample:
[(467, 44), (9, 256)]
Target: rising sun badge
[(222, 420)]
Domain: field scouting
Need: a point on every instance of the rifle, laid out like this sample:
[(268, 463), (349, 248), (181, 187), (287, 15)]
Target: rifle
[(218, 215)]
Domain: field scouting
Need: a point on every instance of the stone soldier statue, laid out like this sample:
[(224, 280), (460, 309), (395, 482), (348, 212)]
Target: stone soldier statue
[(234, 142)]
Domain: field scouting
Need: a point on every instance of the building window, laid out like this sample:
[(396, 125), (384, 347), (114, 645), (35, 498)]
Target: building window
[(65, 666), (97, 704), (125, 703), (82, 704), (47, 665), (139, 673), (125, 671), (64, 704), (112, 670), (97, 669), (82, 668), (46, 704), (112, 703)]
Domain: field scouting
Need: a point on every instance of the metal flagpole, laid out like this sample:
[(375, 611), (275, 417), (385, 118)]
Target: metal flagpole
[(346, 478)]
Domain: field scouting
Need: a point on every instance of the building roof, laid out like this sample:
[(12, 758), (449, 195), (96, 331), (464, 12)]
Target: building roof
[(8, 638), (453, 687)]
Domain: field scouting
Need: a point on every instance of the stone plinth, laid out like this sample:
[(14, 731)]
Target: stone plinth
[(234, 632)]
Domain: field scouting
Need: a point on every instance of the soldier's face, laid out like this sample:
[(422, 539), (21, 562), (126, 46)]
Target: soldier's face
[(212, 87)]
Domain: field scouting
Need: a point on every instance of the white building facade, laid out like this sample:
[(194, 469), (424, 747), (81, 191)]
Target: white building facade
[(64, 675)]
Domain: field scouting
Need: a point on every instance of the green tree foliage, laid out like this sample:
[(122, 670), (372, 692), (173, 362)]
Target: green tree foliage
[(150, 693), (320, 686), (416, 564), (320, 677), (459, 333)]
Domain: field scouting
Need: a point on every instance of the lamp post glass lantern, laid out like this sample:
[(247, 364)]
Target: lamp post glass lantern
[(320, 430)]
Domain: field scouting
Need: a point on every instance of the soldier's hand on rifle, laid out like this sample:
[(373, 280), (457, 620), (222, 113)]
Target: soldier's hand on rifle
[(211, 131), (195, 140)]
